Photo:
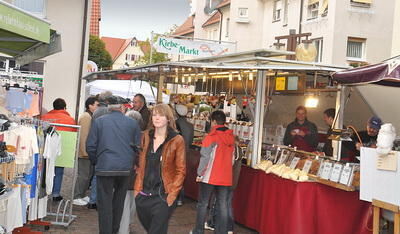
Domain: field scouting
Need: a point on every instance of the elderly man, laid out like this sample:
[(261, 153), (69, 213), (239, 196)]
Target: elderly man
[(112, 146), (369, 137), (139, 104)]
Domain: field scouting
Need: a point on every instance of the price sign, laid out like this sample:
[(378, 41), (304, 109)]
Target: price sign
[(346, 175), (307, 166), (326, 171), (336, 171), (294, 162), (283, 157)]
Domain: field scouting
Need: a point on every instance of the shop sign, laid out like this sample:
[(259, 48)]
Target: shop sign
[(91, 67), (192, 48), (21, 23)]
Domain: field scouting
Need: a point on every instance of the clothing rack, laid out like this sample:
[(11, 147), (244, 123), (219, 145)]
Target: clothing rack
[(63, 218)]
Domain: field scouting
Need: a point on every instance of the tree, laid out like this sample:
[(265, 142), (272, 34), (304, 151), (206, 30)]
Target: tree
[(156, 57), (98, 53)]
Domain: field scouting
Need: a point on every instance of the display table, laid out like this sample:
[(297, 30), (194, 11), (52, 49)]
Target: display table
[(270, 204)]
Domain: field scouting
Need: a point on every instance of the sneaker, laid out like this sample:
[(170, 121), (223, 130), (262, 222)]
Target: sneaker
[(79, 202), (208, 227), (230, 232), (86, 199), (92, 206), (57, 199)]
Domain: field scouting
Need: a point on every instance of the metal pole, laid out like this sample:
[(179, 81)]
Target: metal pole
[(151, 47), (259, 118), (340, 103)]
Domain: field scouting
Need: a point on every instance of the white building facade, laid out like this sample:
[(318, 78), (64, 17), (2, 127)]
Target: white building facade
[(343, 31)]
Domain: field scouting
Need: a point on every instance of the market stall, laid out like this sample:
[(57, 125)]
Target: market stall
[(244, 85)]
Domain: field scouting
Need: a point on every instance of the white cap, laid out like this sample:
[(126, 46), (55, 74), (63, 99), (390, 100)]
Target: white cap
[(182, 110)]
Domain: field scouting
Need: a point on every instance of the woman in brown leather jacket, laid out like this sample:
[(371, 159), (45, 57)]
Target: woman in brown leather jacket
[(161, 171)]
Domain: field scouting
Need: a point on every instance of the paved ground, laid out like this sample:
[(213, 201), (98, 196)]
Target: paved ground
[(182, 220)]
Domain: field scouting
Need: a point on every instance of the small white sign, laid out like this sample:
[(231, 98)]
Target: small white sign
[(346, 175), (337, 170), (283, 157), (326, 171), (307, 166), (294, 162)]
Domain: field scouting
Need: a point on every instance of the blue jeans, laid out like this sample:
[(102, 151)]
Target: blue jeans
[(213, 211), (221, 193), (57, 182), (93, 191)]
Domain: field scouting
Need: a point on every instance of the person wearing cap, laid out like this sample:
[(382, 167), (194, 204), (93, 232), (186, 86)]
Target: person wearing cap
[(112, 146), (186, 130), (369, 137)]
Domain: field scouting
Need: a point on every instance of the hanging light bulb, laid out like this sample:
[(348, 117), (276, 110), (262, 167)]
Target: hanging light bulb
[(189, 69), (176, 79), (183, 79), (204, 78), (176, 70), (251, 76), (311, 102), (230, 76), (190, 79)]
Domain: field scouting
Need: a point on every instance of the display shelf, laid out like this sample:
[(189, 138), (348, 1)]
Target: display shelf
[(336, 185)]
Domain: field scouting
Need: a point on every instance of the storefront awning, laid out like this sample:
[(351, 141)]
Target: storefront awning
[(386, 73), (25, 36)]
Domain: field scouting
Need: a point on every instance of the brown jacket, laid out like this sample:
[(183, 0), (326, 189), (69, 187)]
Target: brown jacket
[(84, 121), (173, 164)]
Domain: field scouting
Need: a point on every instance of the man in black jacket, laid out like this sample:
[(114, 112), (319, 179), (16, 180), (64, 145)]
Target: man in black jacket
[(139, 104), (111, 146)]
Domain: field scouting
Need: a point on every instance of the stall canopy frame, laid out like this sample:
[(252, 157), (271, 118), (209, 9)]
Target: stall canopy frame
[(258, 61)]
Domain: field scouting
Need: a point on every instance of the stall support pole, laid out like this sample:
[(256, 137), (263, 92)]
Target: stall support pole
[(340, 102), (160, 88), (259, 118)]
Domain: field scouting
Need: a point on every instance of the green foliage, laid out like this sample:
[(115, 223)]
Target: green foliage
[(156, 58), (99, 54)]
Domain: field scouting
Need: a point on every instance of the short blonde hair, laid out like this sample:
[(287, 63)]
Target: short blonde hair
[(163, 110)]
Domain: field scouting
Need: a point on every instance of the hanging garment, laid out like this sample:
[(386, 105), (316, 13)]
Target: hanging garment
[(52, 150)]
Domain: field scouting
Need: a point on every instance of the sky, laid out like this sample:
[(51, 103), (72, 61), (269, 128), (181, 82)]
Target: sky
[(137, 18)]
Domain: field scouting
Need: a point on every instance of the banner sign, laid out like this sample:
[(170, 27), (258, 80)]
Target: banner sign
[(192, 48), (21, 23)]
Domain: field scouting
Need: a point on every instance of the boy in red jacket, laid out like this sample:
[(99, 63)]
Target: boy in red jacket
[(215, 172)]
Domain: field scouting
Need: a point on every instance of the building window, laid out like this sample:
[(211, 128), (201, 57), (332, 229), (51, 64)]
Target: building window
[(215, 34), (277, 10), (134, 43), (243, 13), (312, 9), (355, 49), (361, 3), (227, 27), (127, 57), (319, 43), (36, 7), (133, 57)]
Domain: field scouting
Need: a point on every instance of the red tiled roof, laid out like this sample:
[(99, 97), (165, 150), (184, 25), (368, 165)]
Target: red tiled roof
[(215, 18), (145, 47), (224, 3), (186, 28), (113, 45), (95, 18)]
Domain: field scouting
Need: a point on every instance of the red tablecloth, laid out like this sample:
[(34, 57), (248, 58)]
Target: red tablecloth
[(270, 204)]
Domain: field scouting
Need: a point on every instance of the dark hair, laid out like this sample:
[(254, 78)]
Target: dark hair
[(219, 117), (141, 97), (59, 104), (90, 101), (301, 108), (330, 112)]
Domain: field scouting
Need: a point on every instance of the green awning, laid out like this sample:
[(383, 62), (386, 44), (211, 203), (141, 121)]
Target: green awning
[(23, 35)]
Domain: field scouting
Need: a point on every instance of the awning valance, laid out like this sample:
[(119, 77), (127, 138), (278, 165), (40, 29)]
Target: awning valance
[(386, 73)]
